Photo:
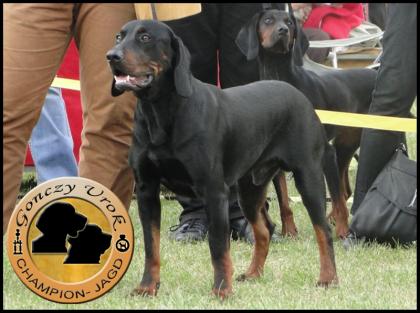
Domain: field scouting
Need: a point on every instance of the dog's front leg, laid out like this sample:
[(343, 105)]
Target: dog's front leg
[(217, 200), (150, 213)]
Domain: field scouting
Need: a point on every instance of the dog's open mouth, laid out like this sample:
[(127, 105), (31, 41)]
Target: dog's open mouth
[(123, 81)]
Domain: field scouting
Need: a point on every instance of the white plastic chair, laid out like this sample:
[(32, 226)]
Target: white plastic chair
[(365, 36)]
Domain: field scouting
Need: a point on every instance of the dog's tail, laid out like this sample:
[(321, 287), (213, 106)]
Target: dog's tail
[(331, 172)]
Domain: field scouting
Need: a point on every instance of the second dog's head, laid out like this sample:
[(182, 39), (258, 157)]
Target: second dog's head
[(275, 31), (145, 52)]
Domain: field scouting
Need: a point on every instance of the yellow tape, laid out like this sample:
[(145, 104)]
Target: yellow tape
[(368, 121), (326, 117), (66, 83)]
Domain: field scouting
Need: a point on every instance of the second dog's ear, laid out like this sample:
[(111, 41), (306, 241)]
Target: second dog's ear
[(182, 73), (114, 91), (247, 39), (301, 43)]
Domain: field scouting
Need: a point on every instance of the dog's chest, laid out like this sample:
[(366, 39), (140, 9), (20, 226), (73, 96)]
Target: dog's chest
[(174, 173)]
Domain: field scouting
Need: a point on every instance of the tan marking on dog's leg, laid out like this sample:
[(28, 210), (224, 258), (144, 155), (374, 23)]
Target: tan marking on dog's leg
[(260, 252), (151, 277), (223, 272), (328, 274), (288, 227)]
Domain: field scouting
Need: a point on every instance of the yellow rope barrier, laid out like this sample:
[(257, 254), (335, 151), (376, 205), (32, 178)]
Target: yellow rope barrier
[(66, 83), (368, 121), (326, 117)]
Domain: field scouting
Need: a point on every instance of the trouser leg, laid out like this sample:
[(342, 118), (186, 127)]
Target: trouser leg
[(36, 37), (107, 121), (394, 93)]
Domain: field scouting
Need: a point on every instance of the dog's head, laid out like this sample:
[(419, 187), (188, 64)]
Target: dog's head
[(88, 246), (275, 31), (61, 218), (144, 53), (91, 238)]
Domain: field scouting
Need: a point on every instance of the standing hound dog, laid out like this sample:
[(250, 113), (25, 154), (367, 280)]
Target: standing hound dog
[(274, 37), (199, 140)]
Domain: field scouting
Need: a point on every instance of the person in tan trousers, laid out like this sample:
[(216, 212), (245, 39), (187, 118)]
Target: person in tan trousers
[(36, 36)]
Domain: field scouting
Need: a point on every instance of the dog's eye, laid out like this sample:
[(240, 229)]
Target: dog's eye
[(289, 23), (268, 20), (118, 37), (145, 37)]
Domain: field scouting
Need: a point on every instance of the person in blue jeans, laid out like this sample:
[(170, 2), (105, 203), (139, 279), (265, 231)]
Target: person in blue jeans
[(51, 142)]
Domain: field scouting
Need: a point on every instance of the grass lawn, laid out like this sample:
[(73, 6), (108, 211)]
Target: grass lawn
[(373, 277)]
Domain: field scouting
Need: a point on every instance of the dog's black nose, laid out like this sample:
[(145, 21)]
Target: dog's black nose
[(114, 55), (283, 30)]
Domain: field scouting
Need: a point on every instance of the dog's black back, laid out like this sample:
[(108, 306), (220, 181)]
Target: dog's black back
[(221, 124)]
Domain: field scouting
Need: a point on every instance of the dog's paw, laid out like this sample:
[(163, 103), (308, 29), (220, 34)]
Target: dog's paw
[(342, 231), (288, 228), (290, 232), (341, 225), (222, 293), (146, 291), (333, 282)]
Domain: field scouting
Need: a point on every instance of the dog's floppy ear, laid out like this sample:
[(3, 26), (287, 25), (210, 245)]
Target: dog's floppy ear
[(301, 43), (182, 72), (247, 39), (114, 91)]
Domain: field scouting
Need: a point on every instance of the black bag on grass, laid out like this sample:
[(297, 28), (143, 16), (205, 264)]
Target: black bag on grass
[(388, 213)]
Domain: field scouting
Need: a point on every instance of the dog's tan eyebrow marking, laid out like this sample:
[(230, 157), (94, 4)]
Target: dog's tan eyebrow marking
[(141, 29)]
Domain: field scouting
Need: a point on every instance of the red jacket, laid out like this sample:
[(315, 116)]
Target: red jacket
[(337, 22)]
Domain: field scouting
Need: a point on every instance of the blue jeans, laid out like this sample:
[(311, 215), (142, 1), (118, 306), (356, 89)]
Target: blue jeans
[(51, 142)]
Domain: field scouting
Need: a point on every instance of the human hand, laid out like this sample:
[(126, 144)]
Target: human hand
[(298, 6)]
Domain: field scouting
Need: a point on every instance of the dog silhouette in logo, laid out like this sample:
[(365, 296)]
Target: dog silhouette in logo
[(56, 222), (88, 246)]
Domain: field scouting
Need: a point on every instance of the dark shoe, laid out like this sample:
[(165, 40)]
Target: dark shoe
[(191, 230), (351, 241), (242, 230)]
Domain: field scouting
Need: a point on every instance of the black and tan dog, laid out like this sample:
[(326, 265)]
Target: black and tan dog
[(200, 140), (274, 37)]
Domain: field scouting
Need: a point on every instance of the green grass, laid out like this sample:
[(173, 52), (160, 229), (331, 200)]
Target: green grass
[(373, 277)]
